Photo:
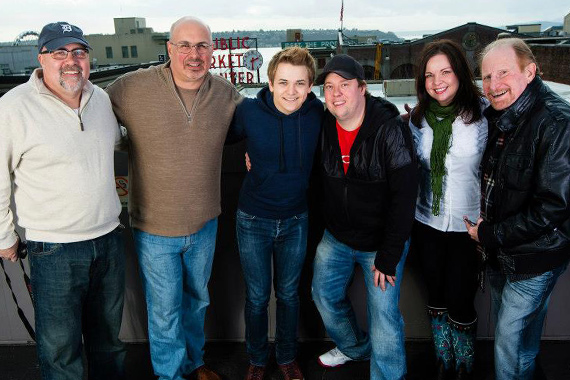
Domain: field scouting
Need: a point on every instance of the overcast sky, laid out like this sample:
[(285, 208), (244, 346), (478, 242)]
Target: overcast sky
[(96, 16)]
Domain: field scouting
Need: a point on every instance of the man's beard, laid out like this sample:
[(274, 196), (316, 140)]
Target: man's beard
[(71, 85)]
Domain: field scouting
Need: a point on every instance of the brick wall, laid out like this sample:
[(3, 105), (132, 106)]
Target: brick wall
[(553, 61)]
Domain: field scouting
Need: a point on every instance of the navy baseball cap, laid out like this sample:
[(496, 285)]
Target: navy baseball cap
[(343, 65), (58, 34)]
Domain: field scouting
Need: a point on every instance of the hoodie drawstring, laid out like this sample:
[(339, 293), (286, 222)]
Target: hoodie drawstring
[(281, 147), (299, 141)]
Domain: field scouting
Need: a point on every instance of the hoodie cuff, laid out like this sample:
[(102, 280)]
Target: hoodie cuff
[(386, 263)]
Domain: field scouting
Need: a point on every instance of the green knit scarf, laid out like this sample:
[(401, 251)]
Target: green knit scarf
[(439, 119)]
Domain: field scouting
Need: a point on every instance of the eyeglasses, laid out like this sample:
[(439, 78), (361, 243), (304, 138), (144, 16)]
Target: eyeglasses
[(61, 54), (185, 47)]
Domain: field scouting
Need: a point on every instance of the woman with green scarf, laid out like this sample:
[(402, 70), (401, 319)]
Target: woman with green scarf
[(450, 134)]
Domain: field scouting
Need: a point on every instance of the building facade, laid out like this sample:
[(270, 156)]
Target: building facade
[(132, 43), (18, 58)]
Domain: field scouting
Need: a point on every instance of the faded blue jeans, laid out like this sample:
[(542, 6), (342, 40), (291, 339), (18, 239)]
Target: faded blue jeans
[(285, 241), (78, 292), (520, 308), (384, 344), (175, 272)]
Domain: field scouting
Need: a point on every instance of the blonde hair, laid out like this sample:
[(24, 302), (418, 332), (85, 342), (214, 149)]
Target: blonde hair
[(295, 56)]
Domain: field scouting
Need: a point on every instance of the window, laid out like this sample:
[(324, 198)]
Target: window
[(109, 51), (125, 50), (133, 31), (134, 53)]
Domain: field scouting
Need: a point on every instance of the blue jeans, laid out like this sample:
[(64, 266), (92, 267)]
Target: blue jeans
[(520, 308), (78, 291), (260, 240), (175, 272), (384, 344)]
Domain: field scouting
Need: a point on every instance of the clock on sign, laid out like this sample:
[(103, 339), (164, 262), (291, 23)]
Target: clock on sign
[(252, 60)]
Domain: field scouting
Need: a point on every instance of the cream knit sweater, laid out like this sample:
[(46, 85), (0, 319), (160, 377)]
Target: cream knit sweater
[(64, 186)]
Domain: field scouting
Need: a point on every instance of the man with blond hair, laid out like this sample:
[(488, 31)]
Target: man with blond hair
[(525, 204), (177, 116), (282, 126)]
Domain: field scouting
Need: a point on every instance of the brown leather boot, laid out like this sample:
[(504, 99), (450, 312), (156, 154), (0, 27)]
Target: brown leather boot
[(291, 371), (203, 373)]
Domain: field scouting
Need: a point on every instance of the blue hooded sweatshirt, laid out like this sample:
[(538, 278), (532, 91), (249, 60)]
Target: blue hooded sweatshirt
[(281, 149)]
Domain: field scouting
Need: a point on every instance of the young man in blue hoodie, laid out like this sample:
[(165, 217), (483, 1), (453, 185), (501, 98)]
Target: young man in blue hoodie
[(282, 126)]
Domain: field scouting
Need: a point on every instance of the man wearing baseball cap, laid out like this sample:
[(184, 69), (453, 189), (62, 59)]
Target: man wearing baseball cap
[(56, 151), (369, 173)]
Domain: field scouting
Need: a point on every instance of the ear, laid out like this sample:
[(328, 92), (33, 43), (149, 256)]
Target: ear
[(530, 71), (41, 59), (271, 86), (310, 88), (170, 50)]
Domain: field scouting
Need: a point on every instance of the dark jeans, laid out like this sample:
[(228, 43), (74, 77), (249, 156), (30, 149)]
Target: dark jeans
[(449, 265), (78, 290), (285, 241)]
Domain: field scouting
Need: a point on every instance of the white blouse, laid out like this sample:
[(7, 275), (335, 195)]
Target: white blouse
[(461, 183)]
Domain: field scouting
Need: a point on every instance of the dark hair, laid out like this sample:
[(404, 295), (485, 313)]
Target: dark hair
[(468, 96), (362, 83)]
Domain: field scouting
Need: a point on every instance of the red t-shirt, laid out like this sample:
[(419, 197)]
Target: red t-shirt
[(345, 141)]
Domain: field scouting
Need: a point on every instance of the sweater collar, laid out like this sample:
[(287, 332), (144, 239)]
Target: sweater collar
[(36, 79)]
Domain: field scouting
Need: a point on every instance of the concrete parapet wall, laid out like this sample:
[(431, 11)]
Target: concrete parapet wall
[(400, 87)]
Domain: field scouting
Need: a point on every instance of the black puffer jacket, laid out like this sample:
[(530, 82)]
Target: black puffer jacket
[(371, 208), (531, 232)]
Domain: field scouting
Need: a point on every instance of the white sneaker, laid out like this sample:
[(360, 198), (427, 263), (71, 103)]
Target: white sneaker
[(333, 358)]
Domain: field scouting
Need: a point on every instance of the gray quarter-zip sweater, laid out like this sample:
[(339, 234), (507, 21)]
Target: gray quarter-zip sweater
[(175, 155)]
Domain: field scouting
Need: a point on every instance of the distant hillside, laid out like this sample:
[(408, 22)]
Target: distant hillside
[(273, 38)]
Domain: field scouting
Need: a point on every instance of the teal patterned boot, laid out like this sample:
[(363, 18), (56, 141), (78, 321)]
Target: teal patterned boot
[(463, 338), (441, 333)]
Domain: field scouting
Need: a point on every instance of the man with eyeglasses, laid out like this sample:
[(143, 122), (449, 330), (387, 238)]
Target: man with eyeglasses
[(177, 116), (56, 151)]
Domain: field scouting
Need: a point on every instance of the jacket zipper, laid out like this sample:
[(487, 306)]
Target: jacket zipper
[(346, 201), (188, 115), (80, 111)]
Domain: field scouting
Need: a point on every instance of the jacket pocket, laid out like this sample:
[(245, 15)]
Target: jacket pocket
[(518, 172)]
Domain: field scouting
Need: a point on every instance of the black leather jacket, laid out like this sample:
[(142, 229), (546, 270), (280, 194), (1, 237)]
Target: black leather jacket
[(371, 207), (531, 228)]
